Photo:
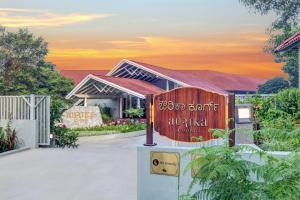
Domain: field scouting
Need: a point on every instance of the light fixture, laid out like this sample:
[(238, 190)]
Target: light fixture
[(243, 113)]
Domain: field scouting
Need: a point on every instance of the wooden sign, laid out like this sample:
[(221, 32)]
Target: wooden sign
[(186, 114), (164, 163)]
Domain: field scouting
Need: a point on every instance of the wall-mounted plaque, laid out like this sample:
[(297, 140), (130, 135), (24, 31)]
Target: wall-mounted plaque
[(186, 114), (165, 163)]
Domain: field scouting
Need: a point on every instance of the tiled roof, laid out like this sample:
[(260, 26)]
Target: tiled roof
[(288, 42), (209, 79), (139, 86), (228, 82), (78, 75)]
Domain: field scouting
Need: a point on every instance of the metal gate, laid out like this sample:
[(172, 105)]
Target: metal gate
[(30, 107)]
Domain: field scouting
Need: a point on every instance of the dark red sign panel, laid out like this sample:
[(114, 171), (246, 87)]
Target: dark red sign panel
[(186, 114)]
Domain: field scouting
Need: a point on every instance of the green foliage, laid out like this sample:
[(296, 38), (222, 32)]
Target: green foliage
[(277, 116), (273, 85), (105, 113), (65, 137), (110, 129), (279, 111), (287, 11), (222, 174), (20, 50), (135, 112), (278, 139), (8, 138), (289, 101)]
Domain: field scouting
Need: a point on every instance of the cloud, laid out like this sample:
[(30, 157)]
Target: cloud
[(15, 17), (160, 46)]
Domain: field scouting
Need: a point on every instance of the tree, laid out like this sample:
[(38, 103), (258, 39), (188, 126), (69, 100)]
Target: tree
[(23, 70), (286, 10), (283, 27), (273, 85), (20, 50)]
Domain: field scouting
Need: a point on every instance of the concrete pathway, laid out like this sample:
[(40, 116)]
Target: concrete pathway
[(98, 170)]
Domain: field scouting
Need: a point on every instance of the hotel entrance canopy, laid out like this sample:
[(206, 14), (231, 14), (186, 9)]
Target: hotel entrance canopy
[(107, 87)]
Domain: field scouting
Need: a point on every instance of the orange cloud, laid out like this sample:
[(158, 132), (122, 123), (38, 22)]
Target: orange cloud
[(240, 53)]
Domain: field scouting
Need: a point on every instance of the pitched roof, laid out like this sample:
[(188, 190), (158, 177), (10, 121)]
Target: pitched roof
[(289, 43), (228, 82), (78, 75), (134, 87), (188, 79), (209, 79), (139, 86)]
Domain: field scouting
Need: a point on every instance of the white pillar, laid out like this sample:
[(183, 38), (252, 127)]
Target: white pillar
[(167, 85), (299, 65), (121, 108), (126, 105), (130, 101), (32, 107), (138, 103), (85, 101)]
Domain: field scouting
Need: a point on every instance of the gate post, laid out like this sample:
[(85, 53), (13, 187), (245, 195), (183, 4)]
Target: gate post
[(231, 118), (149, 121), (32, 107)]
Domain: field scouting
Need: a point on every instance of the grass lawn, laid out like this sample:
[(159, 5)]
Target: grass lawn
[(110, 129)]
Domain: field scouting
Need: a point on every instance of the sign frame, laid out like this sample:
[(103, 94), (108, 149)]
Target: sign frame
[(195, 104)]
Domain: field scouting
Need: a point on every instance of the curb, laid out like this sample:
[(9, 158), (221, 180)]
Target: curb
[(114, 136), (14, 151)]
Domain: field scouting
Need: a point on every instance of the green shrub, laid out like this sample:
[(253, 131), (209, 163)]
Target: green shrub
[(105, 113), (135, 112), (222, 174), (289, 101), (284, 105), (278, 139), (111, 129), (65, 137), (8, 138)]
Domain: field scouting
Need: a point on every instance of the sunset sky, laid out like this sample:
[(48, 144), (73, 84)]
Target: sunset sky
[(219, 35)]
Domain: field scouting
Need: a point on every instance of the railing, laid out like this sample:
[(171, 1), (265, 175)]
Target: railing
[(30, 107), (243, 97)]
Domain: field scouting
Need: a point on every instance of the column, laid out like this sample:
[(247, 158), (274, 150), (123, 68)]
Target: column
[(126, 105), (85, 101), (167, 85), (121, 107), (138, 103), (299, 65), (130, 101)]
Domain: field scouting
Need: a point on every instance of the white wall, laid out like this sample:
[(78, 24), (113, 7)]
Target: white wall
[(112, 103), (26, 131)]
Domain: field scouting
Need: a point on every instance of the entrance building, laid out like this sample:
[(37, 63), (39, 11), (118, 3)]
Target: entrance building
[(127, 84)]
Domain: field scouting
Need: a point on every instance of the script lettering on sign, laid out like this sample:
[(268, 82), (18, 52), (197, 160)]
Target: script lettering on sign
[(187, 114)]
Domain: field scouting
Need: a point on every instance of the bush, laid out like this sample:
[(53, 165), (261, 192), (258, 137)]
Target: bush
[(222, 174), (111, 129), (278, 139), (135, 112), (8, 139), (105, 113), (284, 106), (65, 137)]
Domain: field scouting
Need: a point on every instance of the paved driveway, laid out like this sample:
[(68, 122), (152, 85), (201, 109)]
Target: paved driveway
[(98, 169)]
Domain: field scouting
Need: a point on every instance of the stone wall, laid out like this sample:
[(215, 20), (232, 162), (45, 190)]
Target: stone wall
[(82, 117)]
